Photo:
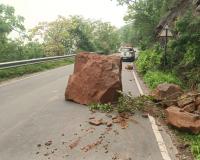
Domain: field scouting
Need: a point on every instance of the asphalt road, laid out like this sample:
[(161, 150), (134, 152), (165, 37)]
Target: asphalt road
[(33, 111)]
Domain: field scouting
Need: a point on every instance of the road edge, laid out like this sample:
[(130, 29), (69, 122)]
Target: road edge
[(28, 76), (158, 136)]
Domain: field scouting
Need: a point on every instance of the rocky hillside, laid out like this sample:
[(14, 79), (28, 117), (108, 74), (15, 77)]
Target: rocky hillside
[(180, 7)]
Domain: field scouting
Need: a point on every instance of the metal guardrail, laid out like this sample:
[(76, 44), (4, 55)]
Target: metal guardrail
[(32, 61)]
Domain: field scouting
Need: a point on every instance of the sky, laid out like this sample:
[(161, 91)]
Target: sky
[(35, 11)]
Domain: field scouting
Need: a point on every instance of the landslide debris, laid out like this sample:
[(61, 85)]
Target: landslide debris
[(183, 108)]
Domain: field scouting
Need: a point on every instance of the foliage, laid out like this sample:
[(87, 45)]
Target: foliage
[(128, 103), (128, 35), (153, 78), (9, 22), (148, 60), (194, 141), (145, 16), (65, 35), (186, 45), (185, 48), (101, 107), (59, 37), (20, 71), (105, 37)]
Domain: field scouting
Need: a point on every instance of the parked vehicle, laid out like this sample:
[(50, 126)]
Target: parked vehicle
[(127, 54)]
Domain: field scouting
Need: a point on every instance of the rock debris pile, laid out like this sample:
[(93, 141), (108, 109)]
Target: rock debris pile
[(98, 128), (183, 109)]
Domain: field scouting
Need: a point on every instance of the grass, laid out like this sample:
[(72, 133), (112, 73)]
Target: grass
[(154, 78), (194, 141), (101, 107), (126, 103), (10, 73)]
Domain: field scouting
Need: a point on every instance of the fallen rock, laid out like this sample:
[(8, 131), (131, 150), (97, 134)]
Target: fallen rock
[(185, 99), (96, 122), (48, 143), (145, 115), (183, 120), (75, 143), (92, 145), (197, 101), (109, 124), (122, 120), (129, 67), (198, 108), (190, 108), (96, 79), (167, 93)]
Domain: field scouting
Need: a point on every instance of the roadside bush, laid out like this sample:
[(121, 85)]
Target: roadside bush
[(131, 104), (10, 73), (101, 107), (153, 78), (194, 141), (148, 60)]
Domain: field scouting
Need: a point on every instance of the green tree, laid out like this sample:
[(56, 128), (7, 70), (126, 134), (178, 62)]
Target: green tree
[(9, 22), (145, 16), (65, 35), (105, 37)]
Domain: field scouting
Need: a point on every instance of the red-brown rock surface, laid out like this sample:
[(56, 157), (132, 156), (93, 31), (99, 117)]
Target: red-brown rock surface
[(96, 79), (183, 120), (167, 92)]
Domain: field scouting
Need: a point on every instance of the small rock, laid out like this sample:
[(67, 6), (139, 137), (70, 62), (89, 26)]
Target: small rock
[(96, 122), (185, 99), (114, 117), (114, 157), (75, 143), (109, 124), (109, 116), (129, 67), (145, 115), (46, 154), (48, 143), (198, 108), (197, 101), (37, 152), (39, 145), (190, 108), (92, 118)]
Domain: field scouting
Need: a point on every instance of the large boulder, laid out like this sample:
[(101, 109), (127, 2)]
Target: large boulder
[(96, 79), (167, 93), (183, 120)]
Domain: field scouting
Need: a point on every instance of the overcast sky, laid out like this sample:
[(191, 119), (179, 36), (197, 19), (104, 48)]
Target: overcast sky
[(35, 11)]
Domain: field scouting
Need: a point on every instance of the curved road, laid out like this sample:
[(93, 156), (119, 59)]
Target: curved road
[(33, 112)]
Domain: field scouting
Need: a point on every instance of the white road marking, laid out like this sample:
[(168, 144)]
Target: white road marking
[(160, 141), (138, 84)]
